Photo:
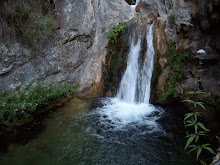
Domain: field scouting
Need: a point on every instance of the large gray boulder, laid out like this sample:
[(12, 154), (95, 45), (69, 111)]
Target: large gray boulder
[(77, 52)]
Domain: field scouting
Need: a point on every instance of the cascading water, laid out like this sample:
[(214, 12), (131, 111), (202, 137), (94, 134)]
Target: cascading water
[(136, 3), (131, 104), (147, 70), (136, 81), (128, 87)]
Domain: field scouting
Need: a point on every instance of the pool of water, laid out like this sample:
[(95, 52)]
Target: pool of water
[(81, 133)]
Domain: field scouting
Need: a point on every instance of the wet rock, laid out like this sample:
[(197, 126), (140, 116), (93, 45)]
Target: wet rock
[(192, 24), (162, 79)]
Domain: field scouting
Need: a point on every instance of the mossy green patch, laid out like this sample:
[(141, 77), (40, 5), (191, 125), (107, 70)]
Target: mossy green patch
[(176, 61)]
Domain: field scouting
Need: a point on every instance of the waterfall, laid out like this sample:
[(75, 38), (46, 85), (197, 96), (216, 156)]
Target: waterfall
[(127, 91), (147, 70), (134, 6), (136, 81), (131, 106)]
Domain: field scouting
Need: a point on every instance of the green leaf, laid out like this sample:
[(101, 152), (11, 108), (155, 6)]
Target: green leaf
[(209, 149), (189, 135), (198, 113), (198, 153), (202, 162), (202, 133), (188, 101), (200, 92), (200, 62), (189, 141), (201, 70), (189, 125), (196, 128), (197, 138), (190, 92), (200, 104), (193, 149), (205, 145), (202, 126), (195, 115), (190, 121), (188, 115)]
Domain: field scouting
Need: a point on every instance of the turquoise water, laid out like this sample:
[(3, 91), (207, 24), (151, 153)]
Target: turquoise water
[(77, 134)]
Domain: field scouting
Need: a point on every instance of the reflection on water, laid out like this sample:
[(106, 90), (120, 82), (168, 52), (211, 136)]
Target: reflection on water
[(76, 134)]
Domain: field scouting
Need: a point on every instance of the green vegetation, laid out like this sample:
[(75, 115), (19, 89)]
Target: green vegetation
[(116, 63), (176, 61), (30, 20), (7, 44), (133, 2), (15, 106), (115, 31), (192, 120)]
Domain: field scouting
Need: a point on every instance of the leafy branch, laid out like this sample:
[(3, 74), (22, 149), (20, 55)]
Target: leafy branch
[(191, 120)]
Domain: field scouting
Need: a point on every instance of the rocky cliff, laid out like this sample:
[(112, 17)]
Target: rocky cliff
[(63, 41), (192, 25)]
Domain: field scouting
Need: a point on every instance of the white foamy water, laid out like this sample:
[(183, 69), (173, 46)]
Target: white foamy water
[(136, 81), (117, 114), (147, 70), (128, 86), (135, 5), (131, 105)]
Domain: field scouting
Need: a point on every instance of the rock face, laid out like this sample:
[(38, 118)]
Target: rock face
[(193, 25), (76, 52)]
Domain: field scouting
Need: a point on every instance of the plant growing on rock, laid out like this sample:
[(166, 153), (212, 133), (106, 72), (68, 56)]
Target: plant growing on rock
[(132, 2), (192, 120), (115, 31), (176, 62)]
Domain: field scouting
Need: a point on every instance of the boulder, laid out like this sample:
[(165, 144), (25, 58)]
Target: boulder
[(77, 49)]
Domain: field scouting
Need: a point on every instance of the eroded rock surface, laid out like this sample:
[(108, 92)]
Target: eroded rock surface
[(193, 25), (76, 53)]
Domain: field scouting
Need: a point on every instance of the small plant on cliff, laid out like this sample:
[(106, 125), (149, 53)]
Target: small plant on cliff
[(115, 31), (15, 106), (176, 62), (192, 120), (133, 2)]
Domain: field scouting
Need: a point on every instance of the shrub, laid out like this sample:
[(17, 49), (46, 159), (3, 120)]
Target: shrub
[(18, 105), (115, 31)]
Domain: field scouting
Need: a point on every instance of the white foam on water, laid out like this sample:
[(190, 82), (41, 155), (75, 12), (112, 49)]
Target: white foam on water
[(118, 115)]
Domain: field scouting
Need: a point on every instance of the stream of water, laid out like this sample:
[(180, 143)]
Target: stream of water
[(123, 130)]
